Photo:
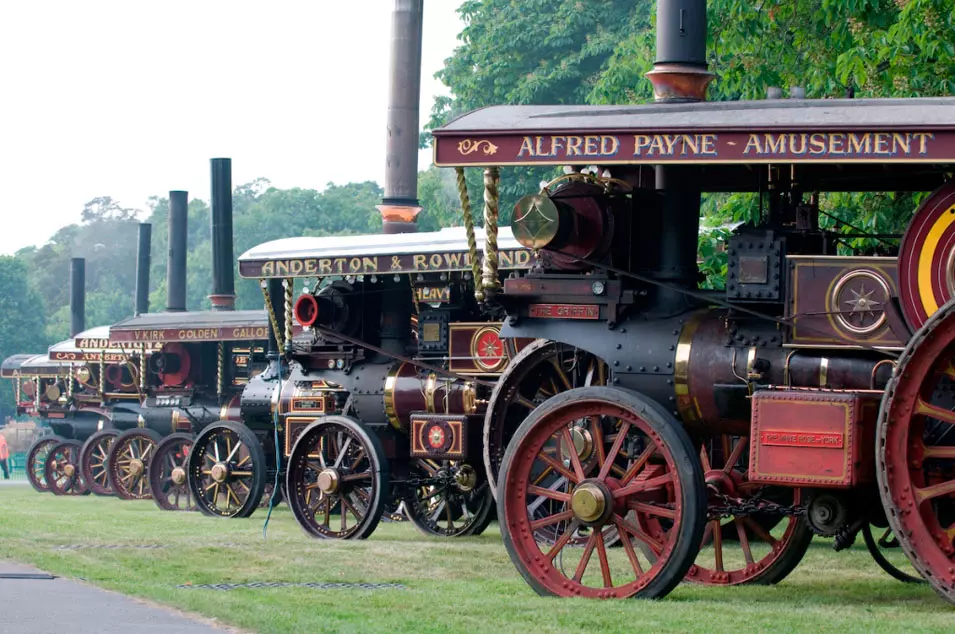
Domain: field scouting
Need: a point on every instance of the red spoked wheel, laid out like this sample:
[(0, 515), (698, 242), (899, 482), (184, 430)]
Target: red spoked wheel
[(94, 461), (752, 546), (664, 483), (167, 473), (916, 451), (128, 464), (36, 462), (337, 479), (62, 469)]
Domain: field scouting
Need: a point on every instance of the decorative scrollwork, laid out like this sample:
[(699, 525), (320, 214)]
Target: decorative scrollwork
[(470, 146)]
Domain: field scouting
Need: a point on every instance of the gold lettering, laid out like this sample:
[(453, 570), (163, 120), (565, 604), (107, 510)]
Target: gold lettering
[(281, 267), (573, 145), (370, 265), (295, 267), (882, 143), (923, 138), (507, 261), (539, 149), (708, 145), (656, 144), (792, 143), (453, 260), (775, 143), (640, 143), (325, 266), (817, 143), (435, 261), (522, 258), (753, 143), (691, 142), (671, 140), (419, 262), (310, 267), (354, 265), (858, 144), (268, 269), (836, 142), (901, 141), (591, 145), (609, 145), (556, 144), (526, 146)]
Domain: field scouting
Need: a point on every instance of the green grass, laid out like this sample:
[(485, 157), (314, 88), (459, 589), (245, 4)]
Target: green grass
[(467, 585)]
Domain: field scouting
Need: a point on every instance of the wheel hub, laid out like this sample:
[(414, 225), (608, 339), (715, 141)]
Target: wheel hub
[(465, 478), (583, 443), (329, 481), (591, 502), (136, 466), (54, 465), (721, 481), (69, 470), (178, 475), (220, 471)]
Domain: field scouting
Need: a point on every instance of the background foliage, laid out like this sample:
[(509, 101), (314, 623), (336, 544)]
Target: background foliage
[(519, 52)]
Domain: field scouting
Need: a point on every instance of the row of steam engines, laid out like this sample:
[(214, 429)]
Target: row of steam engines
[(711, 433)]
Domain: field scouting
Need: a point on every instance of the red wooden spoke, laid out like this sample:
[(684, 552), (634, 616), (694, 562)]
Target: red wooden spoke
[(550, 520), (705, 459), (631, 554), (572, 450), (585, 558), (637, 487), (625, 525), (934, 491), (358, 458), (562, 541), (735, 454), (744, 541), (718, 545), (939, 452), (925, 408), (614, 450), (652, 509), (759, 531), (560, 496), (637, 465), (559, 468), (596, 430), (602, 557)]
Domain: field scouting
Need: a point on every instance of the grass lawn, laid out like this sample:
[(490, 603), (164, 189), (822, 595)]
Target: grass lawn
[(468, 585)]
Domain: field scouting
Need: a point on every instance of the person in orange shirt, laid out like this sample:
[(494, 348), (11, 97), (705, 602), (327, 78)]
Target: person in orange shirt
[(4, 455)]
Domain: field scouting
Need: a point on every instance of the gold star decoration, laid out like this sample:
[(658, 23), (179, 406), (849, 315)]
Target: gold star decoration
[(862, 303)]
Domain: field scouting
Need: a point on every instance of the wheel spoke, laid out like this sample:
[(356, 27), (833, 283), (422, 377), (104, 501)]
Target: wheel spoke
[(744, 541), (625, 525), (551, 520), (614, 450), (572, 450), (718, 545), (556, 466), (934, 491), (562, 540), (933, 411), (652, 509), (560, 496), (759, 531), (341, 453), (631, 554), (637, 487), (735, 454), (585, 558), (602, 557), (637, 465)]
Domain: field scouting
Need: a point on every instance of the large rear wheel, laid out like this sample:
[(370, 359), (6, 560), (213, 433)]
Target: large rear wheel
[(658, 505), (916, 451), (36, 461), (62, 471)]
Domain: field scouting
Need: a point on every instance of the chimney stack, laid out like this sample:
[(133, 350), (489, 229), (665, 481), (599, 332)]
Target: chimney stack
[(399, 208), (142, 268), (679, 73), (77, 296), (223, 268), (176, 260)]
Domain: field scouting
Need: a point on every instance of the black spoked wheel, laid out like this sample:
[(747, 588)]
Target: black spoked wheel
[(227, 470), (887, 552), (62, 469), (167, 474), (36, 461), (128, 463), (94, 461), (454, 501), (337, 479)]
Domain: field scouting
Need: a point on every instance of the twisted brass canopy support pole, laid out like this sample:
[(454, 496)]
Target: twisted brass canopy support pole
[(491, 284), (469, 227), (220, 370), (264, 285), (289, 288)]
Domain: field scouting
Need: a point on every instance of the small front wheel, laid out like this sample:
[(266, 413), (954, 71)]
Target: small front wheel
[(227, 470), (62, 469), (167, 473), (94, 461), (337, 479)]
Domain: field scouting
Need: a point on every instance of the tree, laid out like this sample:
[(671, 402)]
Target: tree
[(21, 326)]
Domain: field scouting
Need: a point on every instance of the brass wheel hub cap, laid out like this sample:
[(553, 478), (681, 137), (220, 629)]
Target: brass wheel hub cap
[(53, 465), (136, 466), (329, 481), (465, 478), (220, 471), (69, 470), (583, 444), (179, 475), (589, 502)]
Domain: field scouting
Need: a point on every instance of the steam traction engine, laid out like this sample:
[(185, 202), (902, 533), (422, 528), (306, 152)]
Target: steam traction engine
[(379, 398), (711, 433)]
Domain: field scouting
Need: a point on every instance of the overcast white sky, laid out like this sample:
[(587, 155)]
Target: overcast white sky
[(130, 99)]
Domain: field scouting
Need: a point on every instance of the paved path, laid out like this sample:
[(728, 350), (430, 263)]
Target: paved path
[(42, 606)]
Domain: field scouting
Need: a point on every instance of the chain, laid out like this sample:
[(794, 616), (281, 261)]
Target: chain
[(742, 507)]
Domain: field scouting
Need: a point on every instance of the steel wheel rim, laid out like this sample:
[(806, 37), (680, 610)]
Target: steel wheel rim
[(63, 470), (96, 464), (713, 567), (917, 453), (224, 468), (129, 466), (169, 463), (663, 482), (332, 446)]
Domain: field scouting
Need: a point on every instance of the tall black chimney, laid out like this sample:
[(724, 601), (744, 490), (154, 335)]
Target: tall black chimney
[(176, 261), (679, 75), (77, 296), (142, 268), (223, 271), (399, 208)]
